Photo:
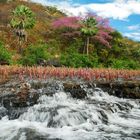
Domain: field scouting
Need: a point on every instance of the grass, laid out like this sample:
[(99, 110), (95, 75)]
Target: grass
[(63, 72)]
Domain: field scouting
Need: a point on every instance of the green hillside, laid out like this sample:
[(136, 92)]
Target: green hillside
[(48, 46)]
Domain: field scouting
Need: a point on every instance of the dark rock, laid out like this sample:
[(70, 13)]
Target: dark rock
[(75, 90), (125, 89), (41, 62), (4, 63), (52, 62), (16, 102), (47, 87), (3, 112)]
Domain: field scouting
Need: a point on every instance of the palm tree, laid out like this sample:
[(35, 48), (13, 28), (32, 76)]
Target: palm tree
[(89, 29), (22, 18)]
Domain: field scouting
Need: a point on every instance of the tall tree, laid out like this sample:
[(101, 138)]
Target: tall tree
[(22, 19), (89, 29)]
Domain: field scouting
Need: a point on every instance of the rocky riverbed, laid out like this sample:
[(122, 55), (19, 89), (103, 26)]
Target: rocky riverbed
[(69, 109), (16, 95)]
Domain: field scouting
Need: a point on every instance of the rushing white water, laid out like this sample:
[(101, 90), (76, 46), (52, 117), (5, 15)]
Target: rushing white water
[(61, 117)]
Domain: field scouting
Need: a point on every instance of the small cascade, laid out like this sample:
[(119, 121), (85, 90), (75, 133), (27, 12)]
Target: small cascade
[(59, 116)]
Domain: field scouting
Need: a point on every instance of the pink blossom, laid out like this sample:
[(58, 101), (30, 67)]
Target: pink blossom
[(102, 41), (71, 22), (103, 35)]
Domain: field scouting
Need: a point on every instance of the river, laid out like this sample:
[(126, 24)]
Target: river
[(99, 116)]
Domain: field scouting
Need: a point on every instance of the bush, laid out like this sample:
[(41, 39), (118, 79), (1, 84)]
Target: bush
[(78, 60), (125, 64), (5, 55), (136, 53), (72, 57), (3, 1), (34, 53)]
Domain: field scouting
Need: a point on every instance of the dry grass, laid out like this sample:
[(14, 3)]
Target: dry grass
[(81, 73)]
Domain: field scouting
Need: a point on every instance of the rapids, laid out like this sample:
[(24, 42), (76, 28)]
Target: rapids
[(61, 117)]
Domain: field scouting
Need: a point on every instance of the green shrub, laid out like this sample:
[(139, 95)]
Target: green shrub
[(125, 64), (78, 60), (3, 1), (136, 54), (34, 53), (5, 55)]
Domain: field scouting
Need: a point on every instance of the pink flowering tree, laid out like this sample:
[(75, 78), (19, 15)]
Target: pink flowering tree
[(91, 27)]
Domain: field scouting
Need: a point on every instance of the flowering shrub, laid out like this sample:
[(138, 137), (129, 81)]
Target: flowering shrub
[(69, 22), (92, 26)]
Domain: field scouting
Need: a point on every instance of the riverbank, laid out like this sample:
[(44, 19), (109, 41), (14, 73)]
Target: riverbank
[(120, 83)]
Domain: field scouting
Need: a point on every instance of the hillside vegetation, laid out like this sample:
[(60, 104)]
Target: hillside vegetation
[(50, 45)]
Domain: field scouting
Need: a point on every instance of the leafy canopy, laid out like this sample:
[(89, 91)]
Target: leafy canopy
[(22, 17), (89, 26)]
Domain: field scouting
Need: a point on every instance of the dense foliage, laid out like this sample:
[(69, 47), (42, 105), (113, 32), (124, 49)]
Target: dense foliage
[(5, 55), (68, 41), (34, 54), (22, 17)]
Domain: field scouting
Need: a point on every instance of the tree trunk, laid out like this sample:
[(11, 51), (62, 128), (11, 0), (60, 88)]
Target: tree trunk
[(22, 39), (87, 46), (20, 45), (84, 49)]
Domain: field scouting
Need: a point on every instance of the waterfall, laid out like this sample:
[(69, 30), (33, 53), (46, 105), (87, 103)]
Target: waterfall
[(61, 117)]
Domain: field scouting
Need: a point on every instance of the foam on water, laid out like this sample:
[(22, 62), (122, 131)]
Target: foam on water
[(61, 117)]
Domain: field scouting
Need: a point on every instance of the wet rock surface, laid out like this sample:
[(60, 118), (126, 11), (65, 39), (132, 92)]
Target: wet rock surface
[(75, 90), (16, 96), (125, 89), (55, 109), (32, 135)]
